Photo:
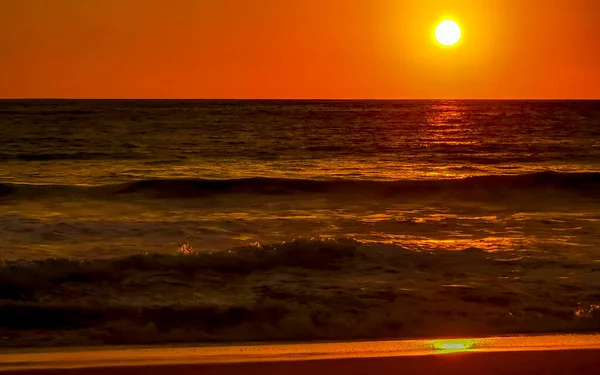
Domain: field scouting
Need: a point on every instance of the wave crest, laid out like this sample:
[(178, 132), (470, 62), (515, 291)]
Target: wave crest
[(297, 290)]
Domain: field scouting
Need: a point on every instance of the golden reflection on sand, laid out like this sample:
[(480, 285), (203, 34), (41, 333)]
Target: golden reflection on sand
[(107, 357), (454, 345)]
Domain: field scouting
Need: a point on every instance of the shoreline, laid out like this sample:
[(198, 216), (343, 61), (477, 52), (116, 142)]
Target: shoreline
[(580, 362), (420, 356)]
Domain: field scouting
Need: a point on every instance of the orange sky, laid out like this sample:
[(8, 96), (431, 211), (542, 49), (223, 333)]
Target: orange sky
[(298, 49)]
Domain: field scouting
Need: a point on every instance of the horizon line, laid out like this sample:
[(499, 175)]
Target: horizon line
[(300, 99)]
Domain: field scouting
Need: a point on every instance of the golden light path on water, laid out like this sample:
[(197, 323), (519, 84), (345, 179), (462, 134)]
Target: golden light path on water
[(107, 357)]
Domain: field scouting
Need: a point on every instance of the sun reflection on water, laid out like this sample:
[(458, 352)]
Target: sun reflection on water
[(446, 112)]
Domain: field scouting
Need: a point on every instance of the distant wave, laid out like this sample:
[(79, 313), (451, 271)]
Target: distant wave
[(69, 156), (46, 111), (582, 182), (578, 183)]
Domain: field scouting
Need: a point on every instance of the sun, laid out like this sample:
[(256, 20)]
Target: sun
[(448, 33)]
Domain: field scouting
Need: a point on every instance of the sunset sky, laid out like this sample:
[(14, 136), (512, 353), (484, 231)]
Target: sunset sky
[(298, 49)]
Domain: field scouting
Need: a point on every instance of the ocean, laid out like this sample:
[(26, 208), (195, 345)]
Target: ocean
[(144, 221)]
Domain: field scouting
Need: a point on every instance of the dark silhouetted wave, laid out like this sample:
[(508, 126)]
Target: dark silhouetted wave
[(587, 184)]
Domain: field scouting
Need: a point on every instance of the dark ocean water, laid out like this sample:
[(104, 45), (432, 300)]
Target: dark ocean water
[(103, 142), (492, 204), (268, 171)]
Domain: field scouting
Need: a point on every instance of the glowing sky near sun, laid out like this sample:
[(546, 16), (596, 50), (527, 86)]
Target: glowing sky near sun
[(298, 49)]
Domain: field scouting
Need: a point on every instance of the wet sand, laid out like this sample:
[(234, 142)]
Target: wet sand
[(566, 354)]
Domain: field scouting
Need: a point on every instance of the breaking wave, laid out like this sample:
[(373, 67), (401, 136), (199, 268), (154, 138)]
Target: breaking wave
[(297, 290)]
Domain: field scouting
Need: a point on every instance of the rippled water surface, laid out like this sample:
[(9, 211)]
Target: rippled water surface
[(481, 216)]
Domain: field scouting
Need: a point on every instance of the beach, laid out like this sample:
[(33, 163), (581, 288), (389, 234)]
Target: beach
[(559, 354)]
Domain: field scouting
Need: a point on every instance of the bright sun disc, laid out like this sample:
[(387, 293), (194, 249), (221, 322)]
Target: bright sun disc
[(448, 33)]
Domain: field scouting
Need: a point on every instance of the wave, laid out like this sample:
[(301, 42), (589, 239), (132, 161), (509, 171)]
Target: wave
[(492, 186), (71, 156), (46, 111), (297, 290)]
